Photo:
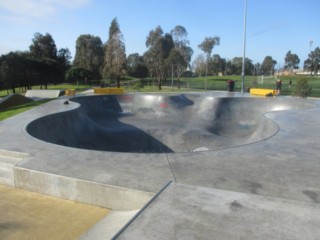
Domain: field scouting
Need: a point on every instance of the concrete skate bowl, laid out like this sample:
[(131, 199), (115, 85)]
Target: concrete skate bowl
[(162, 123)]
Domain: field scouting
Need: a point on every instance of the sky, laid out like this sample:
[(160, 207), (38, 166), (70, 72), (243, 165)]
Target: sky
[(273, 27)]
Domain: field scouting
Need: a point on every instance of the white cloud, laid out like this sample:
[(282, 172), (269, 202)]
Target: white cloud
[(38, 8), (68, 3)]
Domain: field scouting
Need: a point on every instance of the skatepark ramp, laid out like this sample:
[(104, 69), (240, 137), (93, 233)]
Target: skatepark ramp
[(13, 100), (41, 94)]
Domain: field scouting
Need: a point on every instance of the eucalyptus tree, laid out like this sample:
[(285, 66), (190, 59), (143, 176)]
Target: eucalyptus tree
[(156, 57), (312, 64), (217, 65), (9, 71), (180, 56), (199, 65), (257, 69), (230, 68), (291, 61), (17, 69), (136, 66), (44, 50), (78, 74), (236, 63), (89, 54), (115, 54), (207, 46), (268, 65), (43, 47)]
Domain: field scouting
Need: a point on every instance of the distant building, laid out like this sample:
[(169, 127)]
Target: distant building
[(300, 72), (304, 72), (284, 73)]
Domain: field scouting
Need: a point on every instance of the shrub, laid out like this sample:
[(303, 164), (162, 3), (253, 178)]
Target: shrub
[(302, 88), (138, 85)]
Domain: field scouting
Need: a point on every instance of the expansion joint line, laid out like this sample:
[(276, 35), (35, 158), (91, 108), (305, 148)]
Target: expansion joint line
[(174, 177)]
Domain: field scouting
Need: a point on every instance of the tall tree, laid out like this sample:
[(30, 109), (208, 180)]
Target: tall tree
[(43, 46), (291, 61), (257, 69), (115, 54), (236, 66), (44, 50), (63, 59), (217, 65), (78, 74), (180, 56), (18, 69), (156, 57), (206, 46), (268, 65), (312, 64), (9, 72), (199, 65), (136, 66), (89, 54)]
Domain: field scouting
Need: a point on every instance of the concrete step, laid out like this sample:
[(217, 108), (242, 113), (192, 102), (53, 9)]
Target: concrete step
[(6, 173), (8, 160), (7, 181), (13, 154), (5, 160)]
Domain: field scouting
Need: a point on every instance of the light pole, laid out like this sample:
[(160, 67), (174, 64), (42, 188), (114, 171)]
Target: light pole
[(244, 46)]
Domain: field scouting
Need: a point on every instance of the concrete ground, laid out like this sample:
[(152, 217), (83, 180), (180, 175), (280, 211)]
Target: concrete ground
[(264, 190), (195, 212), (29, 215)]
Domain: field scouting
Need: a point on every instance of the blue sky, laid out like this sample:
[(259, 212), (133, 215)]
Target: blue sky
[(273, 26)]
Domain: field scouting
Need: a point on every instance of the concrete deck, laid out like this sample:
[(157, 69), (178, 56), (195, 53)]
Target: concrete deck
[(268, 189)]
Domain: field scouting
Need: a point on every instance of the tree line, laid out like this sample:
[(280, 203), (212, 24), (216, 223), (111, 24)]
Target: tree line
[(167, 55)]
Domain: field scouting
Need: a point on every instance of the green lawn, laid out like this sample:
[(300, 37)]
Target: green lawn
[(9, 112), (78, 88), (220, 83)]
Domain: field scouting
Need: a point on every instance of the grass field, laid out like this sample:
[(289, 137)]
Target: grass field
[(78, 88), (219, 83)]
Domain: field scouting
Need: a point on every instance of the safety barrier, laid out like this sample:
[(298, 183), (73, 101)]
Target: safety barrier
[(70, 92), (108, 90), (262, 92)]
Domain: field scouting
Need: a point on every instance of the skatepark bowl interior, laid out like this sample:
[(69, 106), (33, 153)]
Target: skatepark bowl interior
[(160, 123)]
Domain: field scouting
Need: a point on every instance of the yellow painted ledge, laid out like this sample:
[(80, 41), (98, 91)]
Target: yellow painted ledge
[(70, 92), (262, 92), (108, 90)]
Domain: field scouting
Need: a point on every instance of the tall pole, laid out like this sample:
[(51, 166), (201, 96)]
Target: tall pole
[(244, 46)]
